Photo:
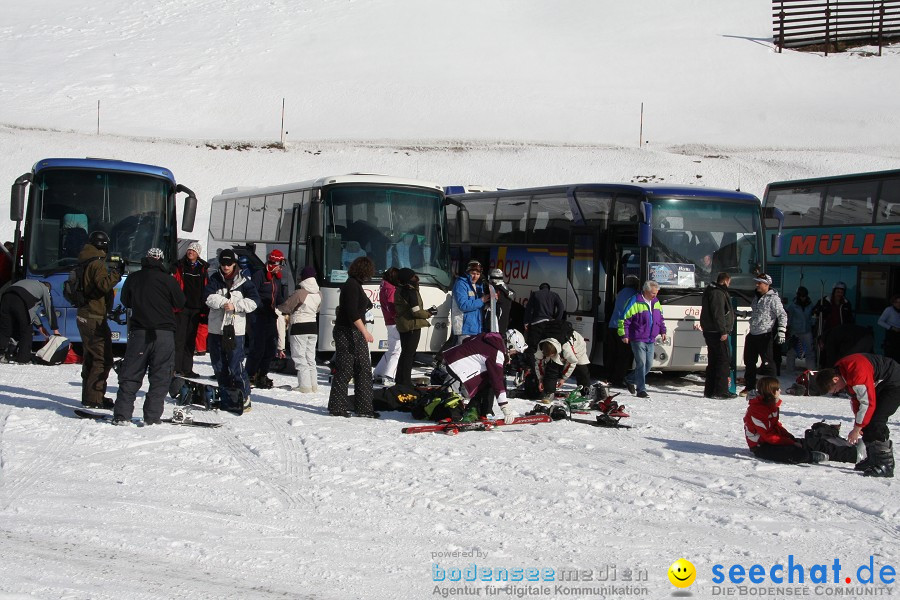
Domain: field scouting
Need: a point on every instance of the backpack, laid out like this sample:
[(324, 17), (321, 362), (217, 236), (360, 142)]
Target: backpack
[(560, 330), (73, 287)]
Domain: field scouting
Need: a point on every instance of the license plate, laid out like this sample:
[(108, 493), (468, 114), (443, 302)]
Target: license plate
[(700, 358)]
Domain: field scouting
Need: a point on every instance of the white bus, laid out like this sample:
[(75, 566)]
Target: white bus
[(330, 221), (583, 239)]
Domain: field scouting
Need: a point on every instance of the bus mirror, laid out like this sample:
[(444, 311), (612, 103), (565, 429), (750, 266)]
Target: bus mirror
[(646, 213), (316, 227), (645, 235), (776, 244), (462, 223), (17, 197), (190, 208)]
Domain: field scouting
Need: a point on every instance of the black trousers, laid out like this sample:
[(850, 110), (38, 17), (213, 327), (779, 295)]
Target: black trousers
[(409, 341), (887, 399), (15, 323), (757, 348), (186, 322), (718, 364), (351, 361), (553, 372), (617, 356), (263, 344), (153, 349), (781, 454)]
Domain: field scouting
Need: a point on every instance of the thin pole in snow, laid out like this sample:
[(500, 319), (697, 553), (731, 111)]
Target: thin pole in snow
[(641, 130), (282, 122), (98, 117)]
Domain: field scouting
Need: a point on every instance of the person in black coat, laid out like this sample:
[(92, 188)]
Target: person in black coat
[(717, 321), (351, 344), (191, 273), (264, 332), (153, 297)]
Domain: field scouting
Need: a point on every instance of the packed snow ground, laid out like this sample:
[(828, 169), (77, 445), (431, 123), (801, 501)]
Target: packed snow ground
[(288, 502)]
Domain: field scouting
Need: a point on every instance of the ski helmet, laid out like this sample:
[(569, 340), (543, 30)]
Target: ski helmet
[(99, 240), (515, 341)]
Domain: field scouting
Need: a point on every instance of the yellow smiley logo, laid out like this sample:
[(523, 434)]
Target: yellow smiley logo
[(682, 573)]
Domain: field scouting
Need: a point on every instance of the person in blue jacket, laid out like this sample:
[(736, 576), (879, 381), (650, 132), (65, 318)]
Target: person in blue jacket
[(469, 299)]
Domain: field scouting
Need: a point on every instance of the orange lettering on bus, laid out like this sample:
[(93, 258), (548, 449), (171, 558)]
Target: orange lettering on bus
[(803, 244), (869, 246), (849, 248), (830, 244), (892, 243)]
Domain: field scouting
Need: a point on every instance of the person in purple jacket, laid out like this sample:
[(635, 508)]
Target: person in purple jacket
[(478, 364), (639, 326)]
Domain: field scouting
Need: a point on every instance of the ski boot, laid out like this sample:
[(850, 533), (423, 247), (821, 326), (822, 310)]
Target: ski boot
[(471, 416), (880, 456)]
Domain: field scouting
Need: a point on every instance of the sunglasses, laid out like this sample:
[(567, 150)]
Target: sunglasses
[(226, 262)]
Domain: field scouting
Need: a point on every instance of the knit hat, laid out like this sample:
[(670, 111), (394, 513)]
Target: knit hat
[(307, 272), (763, 278), (405, 276), (840, 285), (155, 253), (196, 247), (496, 275)]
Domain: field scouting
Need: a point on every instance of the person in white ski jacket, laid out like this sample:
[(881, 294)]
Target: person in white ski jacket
[(557, 361), (768, 323), (303, 306), (230, 298)]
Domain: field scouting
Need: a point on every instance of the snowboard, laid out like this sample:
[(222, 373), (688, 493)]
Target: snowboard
[(187, 392), (454, 427), (105, 417)]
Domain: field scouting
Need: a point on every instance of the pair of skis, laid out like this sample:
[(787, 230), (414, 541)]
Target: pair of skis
[(454, 427), (107, 418)]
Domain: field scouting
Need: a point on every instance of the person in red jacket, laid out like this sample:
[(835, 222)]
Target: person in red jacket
[(766, 436), (873, 384)]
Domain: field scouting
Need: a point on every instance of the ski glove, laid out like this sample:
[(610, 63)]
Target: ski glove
[(779, 338), (508, 416)]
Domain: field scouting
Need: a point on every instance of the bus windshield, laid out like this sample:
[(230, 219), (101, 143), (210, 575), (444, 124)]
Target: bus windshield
[(693, 240), (394, 226), (69, 204)]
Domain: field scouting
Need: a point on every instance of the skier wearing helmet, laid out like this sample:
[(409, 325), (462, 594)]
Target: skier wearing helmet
[(478, 365), (264, 334)]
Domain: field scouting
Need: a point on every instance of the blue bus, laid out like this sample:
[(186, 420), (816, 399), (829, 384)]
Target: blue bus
[(62, 200), (843, 228), (583, 239)]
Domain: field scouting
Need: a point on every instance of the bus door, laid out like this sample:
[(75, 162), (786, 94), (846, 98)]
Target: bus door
[(583, 296)]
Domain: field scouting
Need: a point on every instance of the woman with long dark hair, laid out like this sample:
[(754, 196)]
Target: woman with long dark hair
[(351, 345)]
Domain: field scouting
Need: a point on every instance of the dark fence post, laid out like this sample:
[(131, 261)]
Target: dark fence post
[(880, 27), (781, 29), (827, 26)]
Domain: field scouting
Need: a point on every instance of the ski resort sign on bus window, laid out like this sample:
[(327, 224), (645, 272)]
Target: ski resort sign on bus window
[(672, 274)]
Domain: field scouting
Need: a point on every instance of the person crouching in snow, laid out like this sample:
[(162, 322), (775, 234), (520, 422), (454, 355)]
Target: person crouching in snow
[(478, 364), (766, 436), (557, 361)]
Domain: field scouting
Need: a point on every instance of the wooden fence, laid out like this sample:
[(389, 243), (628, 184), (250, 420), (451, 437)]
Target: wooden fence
[(835, 24)]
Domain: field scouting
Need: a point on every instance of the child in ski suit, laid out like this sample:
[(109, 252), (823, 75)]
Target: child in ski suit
[(766, 436)]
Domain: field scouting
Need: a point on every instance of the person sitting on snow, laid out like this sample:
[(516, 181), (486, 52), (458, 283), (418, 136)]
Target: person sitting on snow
[(478, 365)]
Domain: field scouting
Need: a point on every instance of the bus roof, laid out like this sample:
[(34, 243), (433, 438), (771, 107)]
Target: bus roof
[(103, 164), (835, 179), (332, 180), (681, 191)]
